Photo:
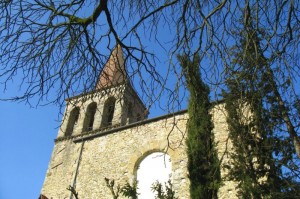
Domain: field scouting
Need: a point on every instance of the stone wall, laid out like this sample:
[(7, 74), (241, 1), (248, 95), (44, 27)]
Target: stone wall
[(85, 161), (224, 147)]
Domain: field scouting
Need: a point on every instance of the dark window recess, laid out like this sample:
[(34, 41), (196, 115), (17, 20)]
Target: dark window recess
[(72, 122), (76, 117), (108, 112), (129, 113), (90, 117), (91, 123)]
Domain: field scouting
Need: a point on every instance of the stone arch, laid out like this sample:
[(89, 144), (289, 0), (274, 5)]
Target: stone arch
[(153, 166), (145, 150), (108, 112), (90, 117), (72, 121), (142, 156)]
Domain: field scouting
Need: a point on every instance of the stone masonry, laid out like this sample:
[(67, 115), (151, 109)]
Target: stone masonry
[(87, 149), (85, 161)]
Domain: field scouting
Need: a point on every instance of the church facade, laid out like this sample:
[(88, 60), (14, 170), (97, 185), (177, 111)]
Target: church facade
[(106, 134)]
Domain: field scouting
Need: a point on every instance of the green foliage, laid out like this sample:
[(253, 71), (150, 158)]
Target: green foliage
[(130, 191), (203, 163), (126, 190), (252, 162), (166, 192), (251, 88)]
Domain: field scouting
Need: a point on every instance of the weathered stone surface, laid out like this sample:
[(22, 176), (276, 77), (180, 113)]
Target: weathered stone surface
[(91, 146), (118, 154)]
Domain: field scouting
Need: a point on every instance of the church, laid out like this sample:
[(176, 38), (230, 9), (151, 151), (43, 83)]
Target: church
[(107, 134)]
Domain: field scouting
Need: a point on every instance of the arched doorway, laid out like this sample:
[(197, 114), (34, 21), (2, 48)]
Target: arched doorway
[(154, 167)]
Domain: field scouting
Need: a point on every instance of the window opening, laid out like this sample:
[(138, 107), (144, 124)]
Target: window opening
[(129, 111), (108, 112), (90, 116), (72, 122)]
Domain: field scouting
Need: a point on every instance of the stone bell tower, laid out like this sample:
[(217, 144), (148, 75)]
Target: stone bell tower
[(105, 134), (112, 103)]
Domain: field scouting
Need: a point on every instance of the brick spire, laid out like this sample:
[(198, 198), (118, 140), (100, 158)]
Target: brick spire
[(113, 72)]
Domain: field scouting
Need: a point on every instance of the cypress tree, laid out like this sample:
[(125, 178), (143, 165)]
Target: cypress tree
[(203, 163)]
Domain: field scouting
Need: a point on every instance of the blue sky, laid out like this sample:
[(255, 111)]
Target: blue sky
[(27, 138), (26, 142)]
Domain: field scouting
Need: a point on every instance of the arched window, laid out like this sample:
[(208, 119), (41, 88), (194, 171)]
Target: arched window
[(72, 122), (90, 117), (108, 112), (154, 167)]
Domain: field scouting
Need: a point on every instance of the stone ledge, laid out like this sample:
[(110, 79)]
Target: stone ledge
[(86, 133), (108, 130), (96, 133)]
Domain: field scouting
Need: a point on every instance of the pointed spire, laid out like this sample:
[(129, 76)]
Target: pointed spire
[(113, 72)]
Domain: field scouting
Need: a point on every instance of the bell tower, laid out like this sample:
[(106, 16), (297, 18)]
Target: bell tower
[(112, 103), (100, 137)]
